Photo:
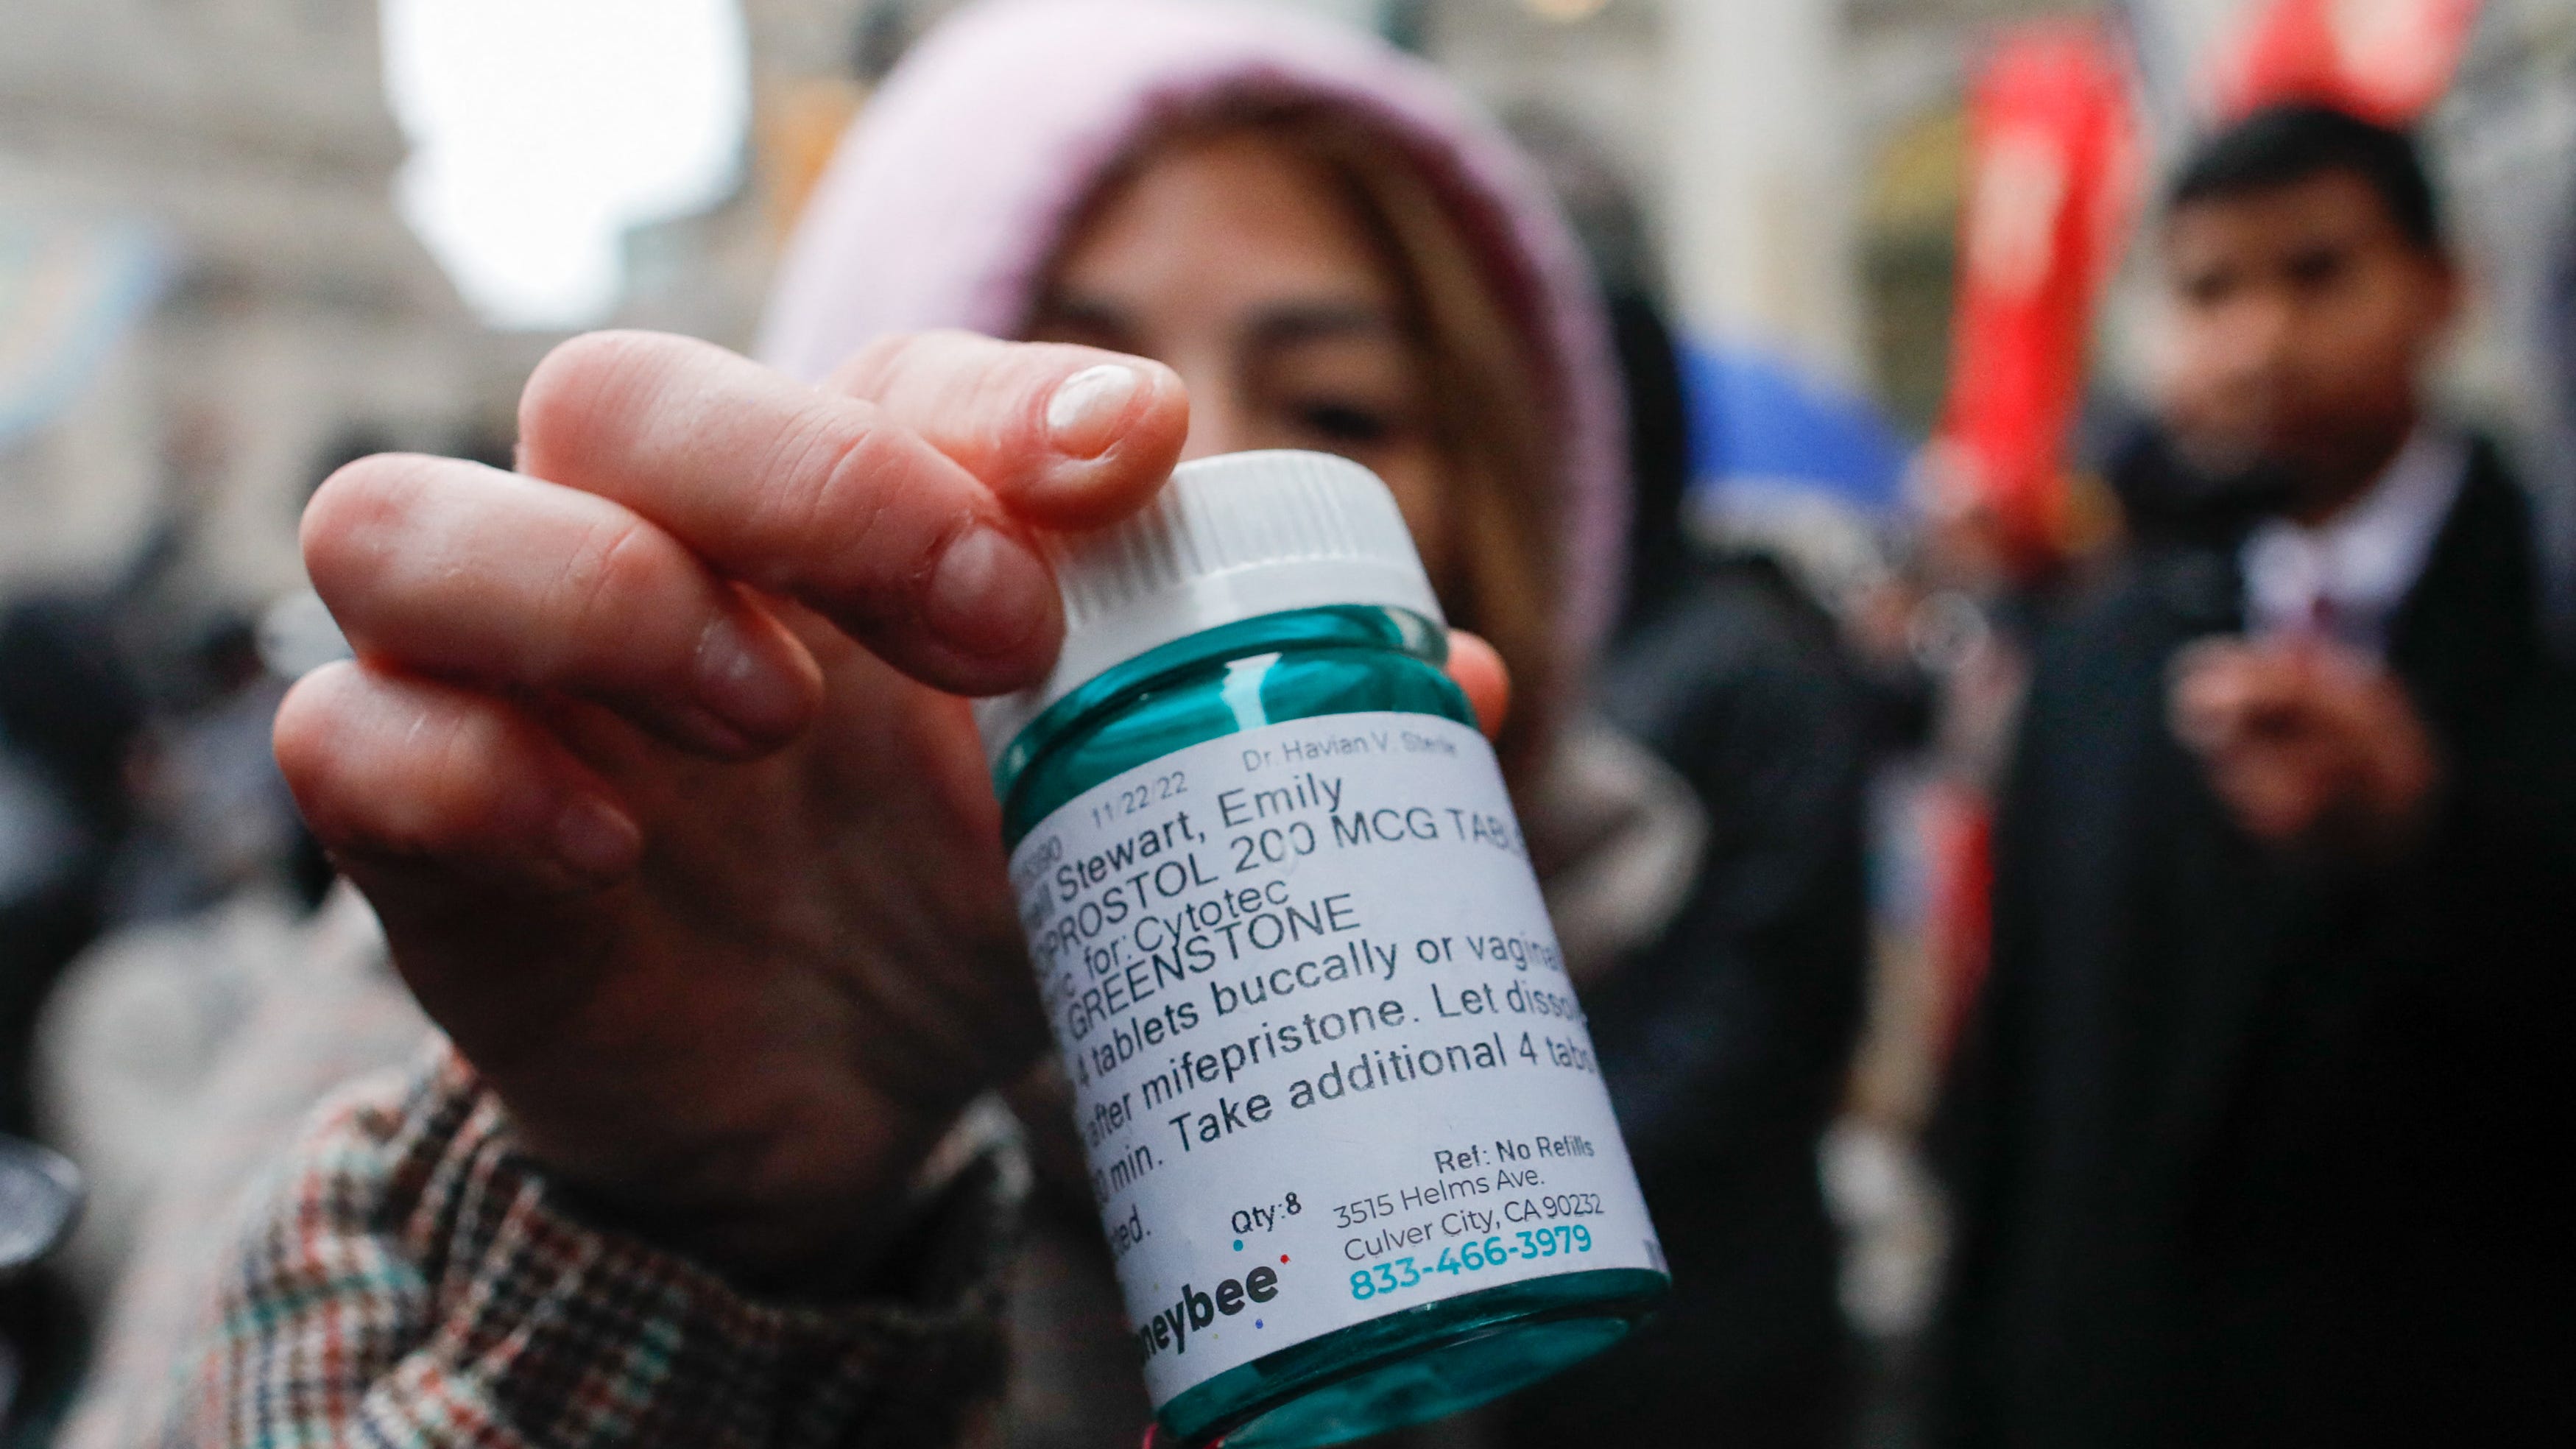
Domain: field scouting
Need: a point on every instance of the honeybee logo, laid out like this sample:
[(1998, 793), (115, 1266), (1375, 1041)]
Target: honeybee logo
[(1169, 1330)]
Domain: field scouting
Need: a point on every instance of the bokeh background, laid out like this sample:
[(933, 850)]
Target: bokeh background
[(243, 241)]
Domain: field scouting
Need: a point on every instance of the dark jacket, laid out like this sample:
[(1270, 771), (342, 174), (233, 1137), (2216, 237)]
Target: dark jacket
[(1725, 1042), (2251, 1146)]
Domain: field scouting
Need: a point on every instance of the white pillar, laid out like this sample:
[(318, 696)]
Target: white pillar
[(1761, 178)]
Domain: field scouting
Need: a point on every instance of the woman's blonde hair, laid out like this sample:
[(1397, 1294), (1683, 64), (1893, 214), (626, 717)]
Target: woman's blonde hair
[(1490, 404)]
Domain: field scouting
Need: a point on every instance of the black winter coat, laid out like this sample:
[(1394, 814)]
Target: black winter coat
[(1725, 1043), (2256, 1148)]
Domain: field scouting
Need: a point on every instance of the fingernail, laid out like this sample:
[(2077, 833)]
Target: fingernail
[(742, 682), (1089, 408), (595, 839), (989, 593)]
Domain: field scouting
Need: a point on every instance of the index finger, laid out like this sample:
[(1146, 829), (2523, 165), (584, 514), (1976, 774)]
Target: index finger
[(2205, 691), (816, 495), (2229, 692), (1064, 434)]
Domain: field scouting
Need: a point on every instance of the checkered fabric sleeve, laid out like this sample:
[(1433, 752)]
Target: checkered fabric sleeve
[(413, 1281)]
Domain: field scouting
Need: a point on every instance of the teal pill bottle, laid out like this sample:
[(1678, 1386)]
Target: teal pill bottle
[(1340, 1110)]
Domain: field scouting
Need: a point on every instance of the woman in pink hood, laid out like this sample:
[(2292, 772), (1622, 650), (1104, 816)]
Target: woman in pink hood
[(656, 766), (1389, 277)]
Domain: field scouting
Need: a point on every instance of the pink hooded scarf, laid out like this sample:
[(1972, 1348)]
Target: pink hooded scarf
[(955, 188)]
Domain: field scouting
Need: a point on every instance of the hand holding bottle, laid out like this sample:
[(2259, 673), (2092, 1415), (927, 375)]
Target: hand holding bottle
[(653, 760)]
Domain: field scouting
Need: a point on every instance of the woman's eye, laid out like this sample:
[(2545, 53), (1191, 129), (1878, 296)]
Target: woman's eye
[(1344, 423)]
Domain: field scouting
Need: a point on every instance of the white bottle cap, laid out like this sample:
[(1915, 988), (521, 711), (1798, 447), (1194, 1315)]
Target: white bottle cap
[(1229, 538)]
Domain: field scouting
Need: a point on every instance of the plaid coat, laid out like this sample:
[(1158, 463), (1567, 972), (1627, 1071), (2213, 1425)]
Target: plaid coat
[(408, 1279)]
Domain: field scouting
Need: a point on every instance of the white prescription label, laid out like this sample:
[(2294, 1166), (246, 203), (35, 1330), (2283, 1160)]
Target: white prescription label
[(1326, 1063)]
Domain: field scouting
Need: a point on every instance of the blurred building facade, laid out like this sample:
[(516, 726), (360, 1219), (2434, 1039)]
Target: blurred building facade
[(208, 297), (812, 63), (236, 159), (233, 161), (230, 163)]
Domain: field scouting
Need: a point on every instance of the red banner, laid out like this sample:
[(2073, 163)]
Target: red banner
[(2389, 60), (2054, 155)]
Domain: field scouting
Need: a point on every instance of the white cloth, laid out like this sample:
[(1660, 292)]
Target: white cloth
[(1617, 836), (2347, 575)]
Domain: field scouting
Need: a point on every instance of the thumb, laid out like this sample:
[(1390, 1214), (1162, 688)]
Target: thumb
[(1479, 671)]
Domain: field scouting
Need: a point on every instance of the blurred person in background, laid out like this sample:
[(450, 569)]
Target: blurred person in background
[(1726, 1033), (163, 829), (211, 901), (2253, 1138), (69, 713), (698, 868)]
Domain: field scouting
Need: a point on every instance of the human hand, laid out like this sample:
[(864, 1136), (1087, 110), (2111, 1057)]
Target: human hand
[(2305, 740), (654, 763)]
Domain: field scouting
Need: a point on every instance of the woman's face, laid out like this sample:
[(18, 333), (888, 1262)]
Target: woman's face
[(1239, 265)]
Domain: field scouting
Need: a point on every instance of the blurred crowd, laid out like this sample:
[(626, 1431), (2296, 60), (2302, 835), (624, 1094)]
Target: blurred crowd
[(2076, 945)]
